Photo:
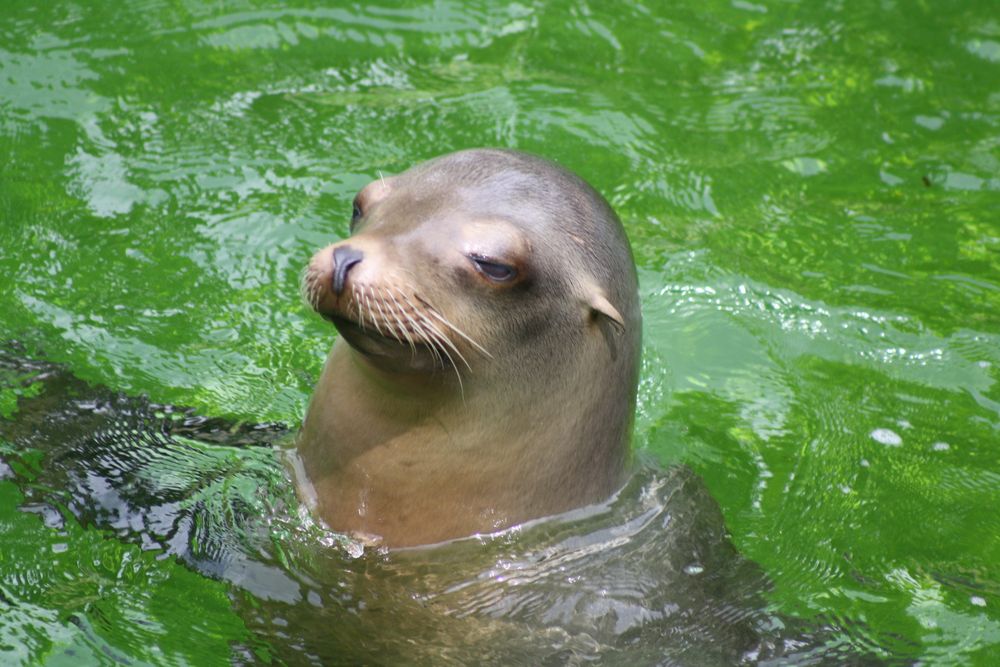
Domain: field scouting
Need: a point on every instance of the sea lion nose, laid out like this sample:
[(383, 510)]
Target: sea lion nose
[(344, 257)]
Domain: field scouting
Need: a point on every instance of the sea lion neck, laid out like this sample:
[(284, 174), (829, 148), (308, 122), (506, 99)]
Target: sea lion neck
[(417, 390)]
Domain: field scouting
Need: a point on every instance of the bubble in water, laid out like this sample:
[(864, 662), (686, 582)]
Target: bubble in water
[(887, 437), (355, 549)]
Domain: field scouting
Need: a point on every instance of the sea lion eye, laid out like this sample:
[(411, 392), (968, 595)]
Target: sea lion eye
[(355, 213), (495, 271)]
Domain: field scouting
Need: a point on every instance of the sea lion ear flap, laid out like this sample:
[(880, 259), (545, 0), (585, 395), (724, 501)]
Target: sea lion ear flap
[(601, 307)]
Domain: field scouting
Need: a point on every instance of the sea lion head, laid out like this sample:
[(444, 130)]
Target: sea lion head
[(488, 359), (484, 263)]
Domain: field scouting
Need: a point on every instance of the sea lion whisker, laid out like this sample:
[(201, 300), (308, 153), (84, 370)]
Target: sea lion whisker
[(461, 333), (413, 310), (438, 331), (438, 338), (458, 374), (427, 337), (434, 311), (406, 298), (356, 297), (411, 326), (314, 291), (398, 328), (382, 307), (419, 322), (429, 308), (366, 302), (394, 307), (447, 341), (371, 311), (307, 286), (434, 337)]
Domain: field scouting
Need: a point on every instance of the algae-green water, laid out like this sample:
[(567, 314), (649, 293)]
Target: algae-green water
[(812, 192)]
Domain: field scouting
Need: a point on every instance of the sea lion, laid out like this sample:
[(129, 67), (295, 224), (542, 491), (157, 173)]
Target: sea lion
[(486, 368)]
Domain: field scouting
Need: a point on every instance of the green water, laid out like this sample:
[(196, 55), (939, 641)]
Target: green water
[(812, 191)]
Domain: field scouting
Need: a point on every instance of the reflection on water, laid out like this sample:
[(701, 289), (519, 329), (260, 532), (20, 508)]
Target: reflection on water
[(649, 576)]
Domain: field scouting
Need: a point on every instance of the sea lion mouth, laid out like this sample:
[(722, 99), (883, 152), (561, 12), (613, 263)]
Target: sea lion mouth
[(393, 327), (389, 353)]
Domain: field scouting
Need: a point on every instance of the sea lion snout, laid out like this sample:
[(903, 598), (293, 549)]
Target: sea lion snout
[(344, 259)]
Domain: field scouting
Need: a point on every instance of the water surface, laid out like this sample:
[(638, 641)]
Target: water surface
[(811, 190)]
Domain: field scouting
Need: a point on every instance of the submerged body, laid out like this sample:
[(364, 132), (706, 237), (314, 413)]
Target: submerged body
[(486, 370)]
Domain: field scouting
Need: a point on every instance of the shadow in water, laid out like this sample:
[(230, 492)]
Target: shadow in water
[(649, 577)]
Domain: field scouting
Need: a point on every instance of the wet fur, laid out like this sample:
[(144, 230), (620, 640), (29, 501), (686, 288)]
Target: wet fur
[(526, 406)]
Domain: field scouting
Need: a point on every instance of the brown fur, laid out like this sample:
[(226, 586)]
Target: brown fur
[(453, 404)]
